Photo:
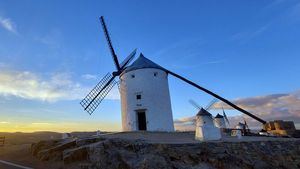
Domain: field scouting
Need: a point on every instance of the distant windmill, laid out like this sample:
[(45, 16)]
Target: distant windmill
[(219, 120), (205, 125), (207, 108), (144, 90)]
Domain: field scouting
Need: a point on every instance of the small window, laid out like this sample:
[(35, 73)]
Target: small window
[(132, 76), (138, 97), (155, 74)]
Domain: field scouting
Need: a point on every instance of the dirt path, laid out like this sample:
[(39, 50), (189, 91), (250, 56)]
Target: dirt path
[(10, 165)]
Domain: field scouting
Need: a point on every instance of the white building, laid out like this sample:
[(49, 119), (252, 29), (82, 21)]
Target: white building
[(219, 121), (145, 98), (205, 128), (66, 136), (240, 126)]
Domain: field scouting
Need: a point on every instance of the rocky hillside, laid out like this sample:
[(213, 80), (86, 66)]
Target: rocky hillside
[(113, 153)]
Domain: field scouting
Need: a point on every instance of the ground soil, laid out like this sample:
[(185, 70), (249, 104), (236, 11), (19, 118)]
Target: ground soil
[(17, 148)]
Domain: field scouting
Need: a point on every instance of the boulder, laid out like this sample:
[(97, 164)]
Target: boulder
[(75, 155)]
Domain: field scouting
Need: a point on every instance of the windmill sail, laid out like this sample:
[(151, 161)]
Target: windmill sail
[(95, 96), (211, 103), (115, 58), (225, 116), (201, 110), (246, 125), (195, 104), (128, 59), (98, 93)]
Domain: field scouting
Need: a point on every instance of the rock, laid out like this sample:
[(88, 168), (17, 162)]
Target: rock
[(56, 153), (261, 165), (153, 161), (63, 146), (89, 140), (37, 147), (75, 154), (137, 154), (203, 166)]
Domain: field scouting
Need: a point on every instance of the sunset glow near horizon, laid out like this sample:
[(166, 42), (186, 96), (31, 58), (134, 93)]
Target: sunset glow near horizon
[(53, 52)]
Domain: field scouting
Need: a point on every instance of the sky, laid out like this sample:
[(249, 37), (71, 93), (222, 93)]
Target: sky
[(53, 52)]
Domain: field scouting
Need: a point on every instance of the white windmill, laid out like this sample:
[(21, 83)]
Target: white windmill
[(145, 98), (219, 121), (144, 90), (205, 125)]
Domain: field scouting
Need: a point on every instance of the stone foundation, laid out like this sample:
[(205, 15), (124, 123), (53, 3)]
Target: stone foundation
[(104, 153)]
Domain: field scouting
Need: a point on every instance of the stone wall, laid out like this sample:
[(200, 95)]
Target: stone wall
[(92, 153)]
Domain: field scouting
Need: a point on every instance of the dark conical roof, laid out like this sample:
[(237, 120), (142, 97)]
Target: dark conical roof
[(203, 112), (219, 116), (140, 63)]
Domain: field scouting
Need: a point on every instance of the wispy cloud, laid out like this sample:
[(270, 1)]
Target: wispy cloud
[(245, 36), (7, 24), (89, 77), (185, 52), (57, 86), (2, 65), (4, 122), (285, 106), (199, 64), (53, 39), (273, 4), (185, 49), (41, 123), (294, 12)]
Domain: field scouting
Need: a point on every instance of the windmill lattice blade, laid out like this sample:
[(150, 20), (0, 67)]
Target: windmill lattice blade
[(211, 103), (195, 104), (128, 59), (95, 96), (115, 58)]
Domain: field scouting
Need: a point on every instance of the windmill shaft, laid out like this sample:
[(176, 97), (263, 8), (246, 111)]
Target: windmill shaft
[(110, 44), (218, 97)]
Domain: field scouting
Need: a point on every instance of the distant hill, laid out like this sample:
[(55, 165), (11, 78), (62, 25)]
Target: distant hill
[(28, 138)]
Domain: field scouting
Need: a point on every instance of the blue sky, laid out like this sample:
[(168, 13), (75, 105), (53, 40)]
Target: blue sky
[(53, 52)]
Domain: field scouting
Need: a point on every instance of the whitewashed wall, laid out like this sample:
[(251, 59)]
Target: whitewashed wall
[(220, 122), (206, 130), (155, 99)]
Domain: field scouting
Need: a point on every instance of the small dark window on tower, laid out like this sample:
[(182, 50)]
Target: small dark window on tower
[(155, 73), (132, 76), (138, 97)]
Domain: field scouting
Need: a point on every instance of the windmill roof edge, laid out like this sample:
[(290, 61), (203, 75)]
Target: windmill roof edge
[(203, 112), (219, 116), (141, 63)]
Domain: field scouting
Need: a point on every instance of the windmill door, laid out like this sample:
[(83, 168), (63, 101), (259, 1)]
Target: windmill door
[(142, 123)]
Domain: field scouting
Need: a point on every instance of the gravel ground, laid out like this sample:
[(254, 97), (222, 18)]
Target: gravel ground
[(183, 137)]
